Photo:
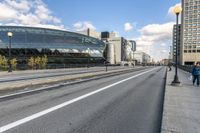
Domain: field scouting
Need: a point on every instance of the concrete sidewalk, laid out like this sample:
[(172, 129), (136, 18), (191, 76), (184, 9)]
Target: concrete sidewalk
[(181, 112)]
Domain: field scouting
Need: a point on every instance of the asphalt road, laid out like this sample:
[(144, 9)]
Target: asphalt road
[(127, 103), (52, 73)]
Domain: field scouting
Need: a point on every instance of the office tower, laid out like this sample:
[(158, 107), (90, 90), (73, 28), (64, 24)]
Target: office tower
[(190, 41), (176, 33)]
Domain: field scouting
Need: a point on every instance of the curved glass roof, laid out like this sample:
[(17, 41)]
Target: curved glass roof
[(39, 38)]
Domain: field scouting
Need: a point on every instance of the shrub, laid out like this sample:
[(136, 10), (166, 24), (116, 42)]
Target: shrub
[(31, 62), (3, 63), (14, 63), (38, 62), (44, 61)]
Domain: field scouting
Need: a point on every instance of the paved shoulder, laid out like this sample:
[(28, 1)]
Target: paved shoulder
[(181, 106)]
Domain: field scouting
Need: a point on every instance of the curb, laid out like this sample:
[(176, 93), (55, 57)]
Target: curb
[(163, 105)]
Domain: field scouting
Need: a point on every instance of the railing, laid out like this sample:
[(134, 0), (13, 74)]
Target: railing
[(186, 68), (57, 66)]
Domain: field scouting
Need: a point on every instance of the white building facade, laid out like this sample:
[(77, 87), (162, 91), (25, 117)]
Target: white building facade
[(119, 50)]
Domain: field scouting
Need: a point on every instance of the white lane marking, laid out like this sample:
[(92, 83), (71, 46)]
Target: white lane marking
[(44, 112)]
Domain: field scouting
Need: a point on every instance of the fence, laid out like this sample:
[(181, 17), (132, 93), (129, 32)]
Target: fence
[(186, 68), (54, 66)]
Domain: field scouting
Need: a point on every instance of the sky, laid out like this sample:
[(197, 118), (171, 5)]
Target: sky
[(149, 22)]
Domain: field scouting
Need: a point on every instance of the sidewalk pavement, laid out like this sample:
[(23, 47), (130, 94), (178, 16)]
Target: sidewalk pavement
[(181, 112)]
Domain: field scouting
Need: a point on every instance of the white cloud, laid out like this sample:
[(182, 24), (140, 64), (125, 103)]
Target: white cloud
[(171, 15), (155, 33), (164, 51), (28, 13), (171, 9), (23, 5), (7, 13), (154, 39), (128, 27), (162, 44), (82, 26)]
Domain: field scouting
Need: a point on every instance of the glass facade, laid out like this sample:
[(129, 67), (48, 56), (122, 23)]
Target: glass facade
[(29, 41)]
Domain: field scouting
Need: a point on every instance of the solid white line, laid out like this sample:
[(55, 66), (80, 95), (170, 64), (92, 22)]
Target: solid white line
[(44, 112)]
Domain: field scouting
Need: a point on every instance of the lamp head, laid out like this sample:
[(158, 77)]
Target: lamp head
[(177, 9), (10, 34)]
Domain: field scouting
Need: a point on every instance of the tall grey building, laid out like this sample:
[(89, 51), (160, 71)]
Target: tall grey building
[(190, 41), (176, 33)]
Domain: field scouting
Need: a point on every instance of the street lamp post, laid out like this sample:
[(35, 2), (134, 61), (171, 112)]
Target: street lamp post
[(106, 61), (88, 61), (10, 34), (176, 82)]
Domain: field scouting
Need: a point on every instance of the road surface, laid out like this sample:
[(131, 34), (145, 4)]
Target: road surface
[(23, 75), (127, 103)]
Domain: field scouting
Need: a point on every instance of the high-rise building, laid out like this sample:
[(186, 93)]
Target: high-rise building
[(91, 33), (133, 43), (175, 44), (190, 41), (119, 50), (171, 54)]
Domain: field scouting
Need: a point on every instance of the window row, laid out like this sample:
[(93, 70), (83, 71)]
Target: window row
[(191, 51), (191, 3), (191, 11), (194, 25), (189, 16), (192, 7)]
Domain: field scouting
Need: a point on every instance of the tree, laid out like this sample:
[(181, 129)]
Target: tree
[(3, 62), (44, 61), (37, 62), (31, 62), (14, 63)]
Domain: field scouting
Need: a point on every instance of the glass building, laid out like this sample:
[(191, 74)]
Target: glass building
[(60, 46)]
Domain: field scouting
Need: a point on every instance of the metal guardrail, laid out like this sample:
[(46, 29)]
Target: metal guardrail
[(53, 66), (186, 68)]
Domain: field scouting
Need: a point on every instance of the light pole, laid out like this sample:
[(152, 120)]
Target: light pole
[(10, 34), (176, 82), (88, 50)]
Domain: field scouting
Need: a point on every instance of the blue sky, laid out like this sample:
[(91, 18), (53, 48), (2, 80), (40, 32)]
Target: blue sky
[(149, 22), (112, 14)]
